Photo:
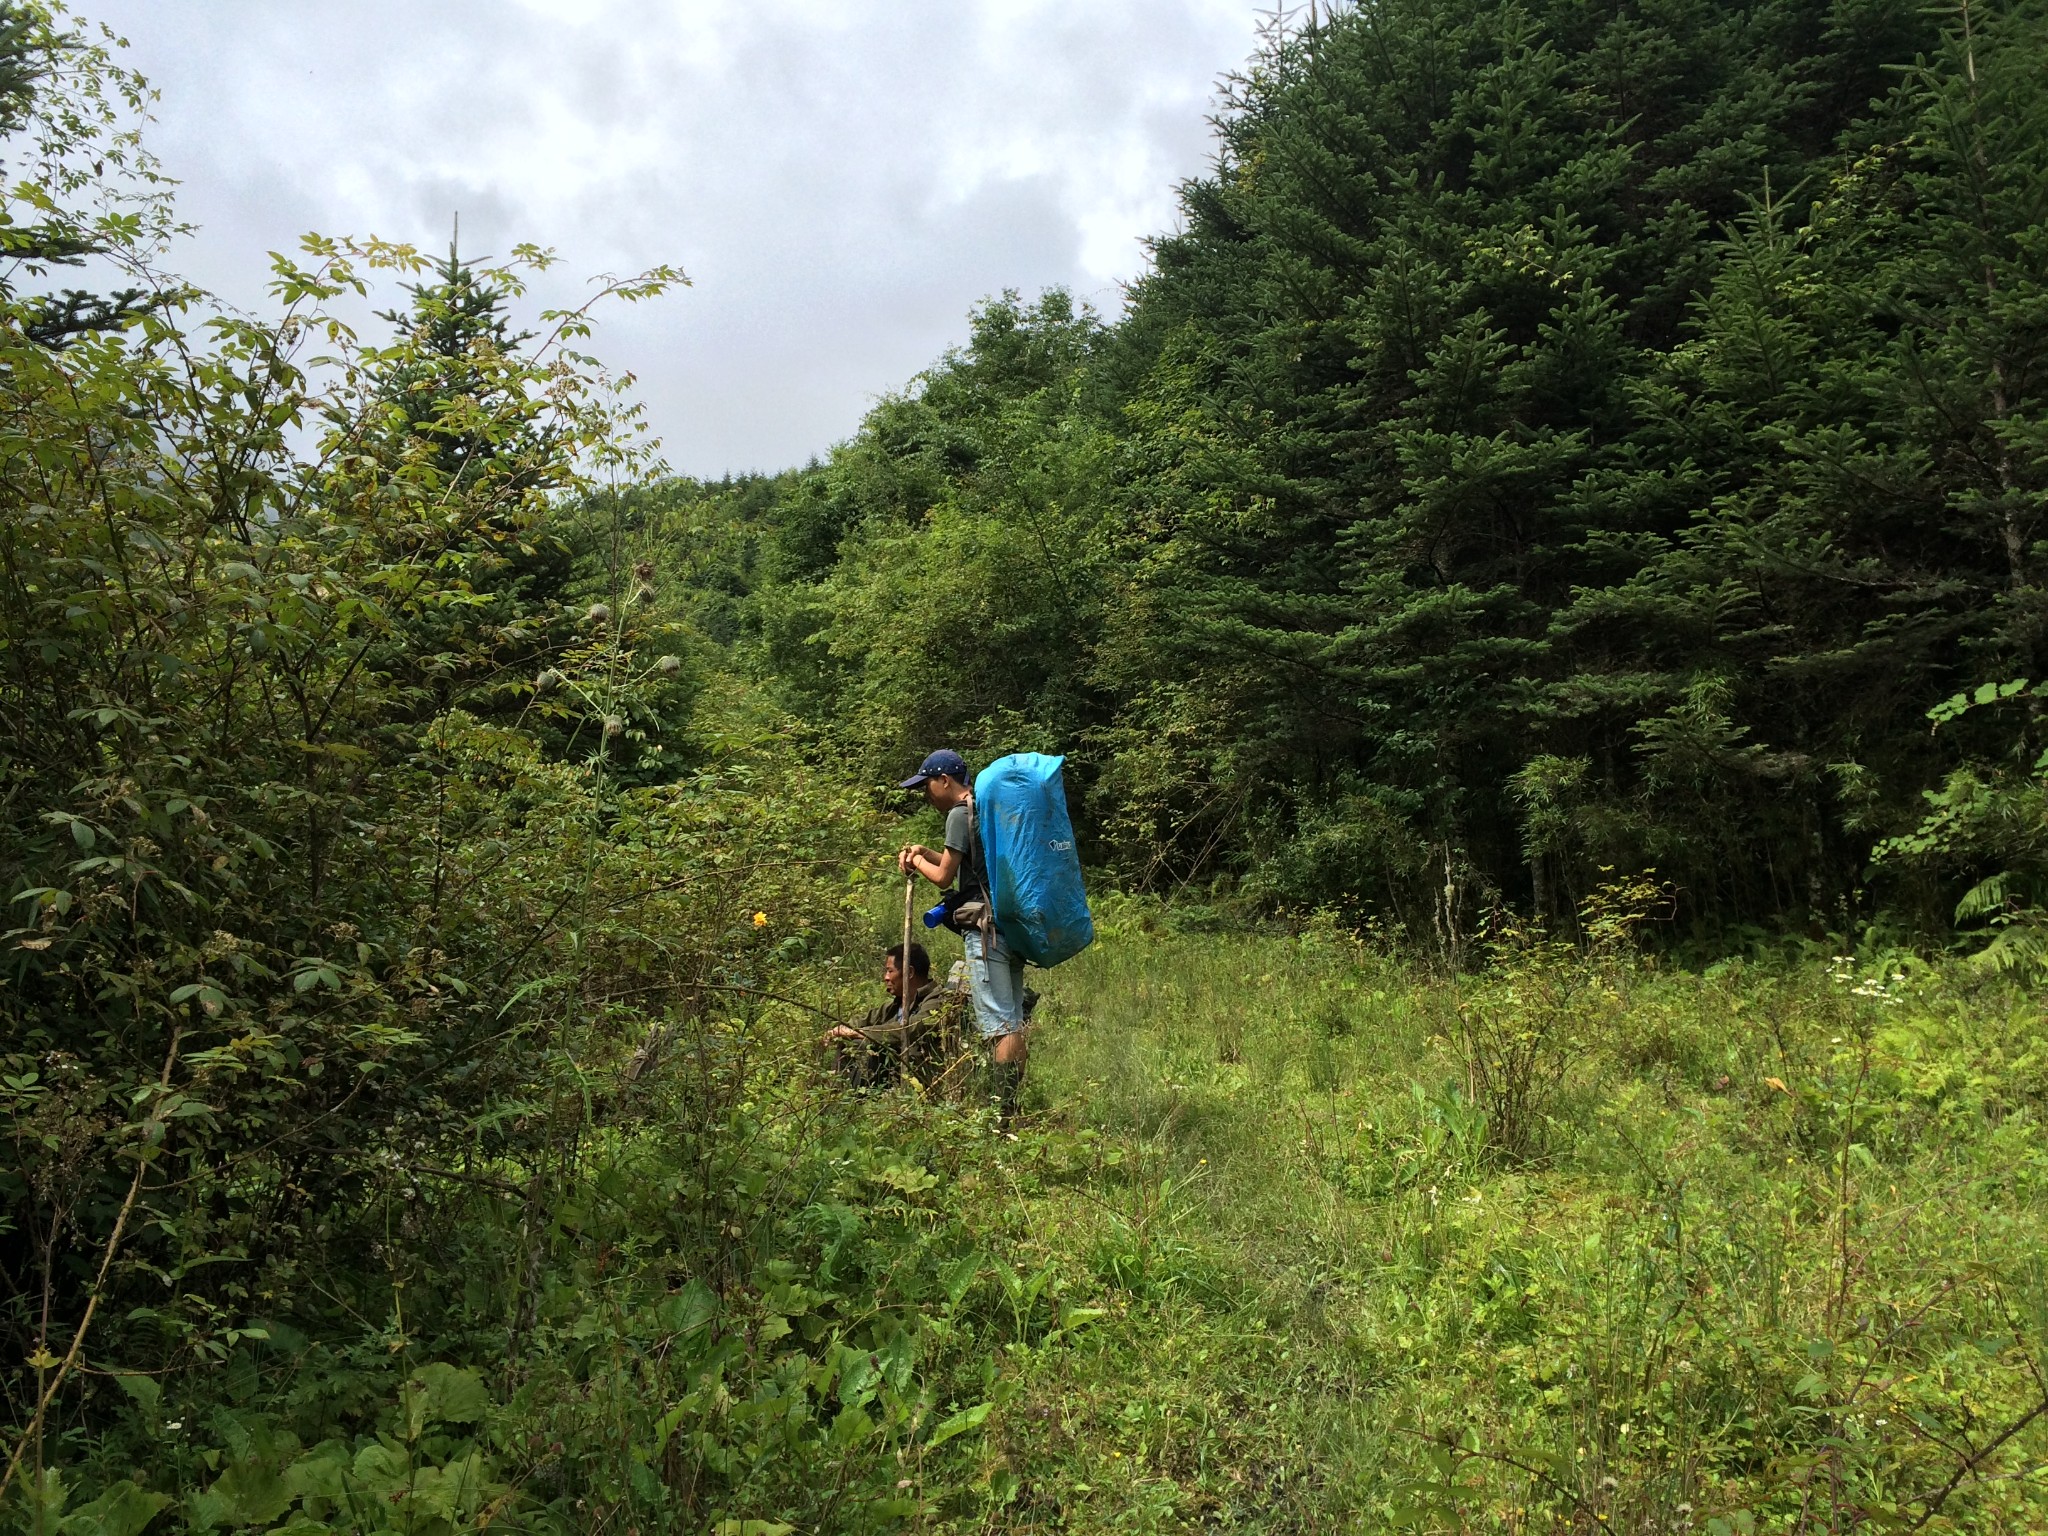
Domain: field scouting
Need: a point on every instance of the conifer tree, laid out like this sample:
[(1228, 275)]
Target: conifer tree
[(1561, 437)]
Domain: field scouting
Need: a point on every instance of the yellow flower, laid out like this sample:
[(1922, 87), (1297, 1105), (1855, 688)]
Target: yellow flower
[(760, 919)]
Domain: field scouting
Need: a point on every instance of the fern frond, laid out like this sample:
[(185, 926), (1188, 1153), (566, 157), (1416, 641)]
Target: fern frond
[(2019, 950), (1985, 897)]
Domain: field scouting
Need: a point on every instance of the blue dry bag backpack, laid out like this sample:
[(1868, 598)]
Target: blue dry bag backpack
[(1027, 844)]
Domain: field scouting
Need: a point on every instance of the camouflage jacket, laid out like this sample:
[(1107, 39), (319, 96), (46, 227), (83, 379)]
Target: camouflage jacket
[(884, 1025)]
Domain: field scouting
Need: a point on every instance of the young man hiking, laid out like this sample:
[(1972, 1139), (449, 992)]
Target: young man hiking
[(995, 976)]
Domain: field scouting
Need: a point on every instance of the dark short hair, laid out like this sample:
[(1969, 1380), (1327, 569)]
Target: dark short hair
[(920, 962)]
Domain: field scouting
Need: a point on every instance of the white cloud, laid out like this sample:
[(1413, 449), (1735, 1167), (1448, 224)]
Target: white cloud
[(842, 179)]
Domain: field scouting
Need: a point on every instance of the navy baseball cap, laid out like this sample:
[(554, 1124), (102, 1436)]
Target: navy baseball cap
[(951, 764)]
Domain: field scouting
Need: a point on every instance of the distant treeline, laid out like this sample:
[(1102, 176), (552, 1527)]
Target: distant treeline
[(1561, 437)]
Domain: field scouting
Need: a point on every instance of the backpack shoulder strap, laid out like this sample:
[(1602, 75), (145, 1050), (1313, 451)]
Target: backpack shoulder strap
[(987, 923)]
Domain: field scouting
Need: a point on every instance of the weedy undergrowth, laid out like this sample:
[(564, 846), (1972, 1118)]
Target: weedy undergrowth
[(1771, 1261)]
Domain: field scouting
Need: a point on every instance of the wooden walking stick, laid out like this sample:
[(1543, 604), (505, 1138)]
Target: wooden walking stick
[(903, 954), (906, 978)]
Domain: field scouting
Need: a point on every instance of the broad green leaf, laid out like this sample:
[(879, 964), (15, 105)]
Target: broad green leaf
[(321, 1473), (961, 1422), (442, 1394), (689, 1309), (453, 1491), (382, 1469), (252, 1492), (851, 1426), (125, 1509), (146, 1392), (959, 1277)]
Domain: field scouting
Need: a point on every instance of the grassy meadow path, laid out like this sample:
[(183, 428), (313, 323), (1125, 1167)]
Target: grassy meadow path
[(1336, 1245)]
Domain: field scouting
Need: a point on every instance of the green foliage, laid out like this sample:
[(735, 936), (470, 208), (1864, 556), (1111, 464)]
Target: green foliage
[(1418, 502), (1563, 437), (344, 876), (1776, 1265), (67, 119), (1990, 821), (940, 579), (1558, 442), (259, 855)]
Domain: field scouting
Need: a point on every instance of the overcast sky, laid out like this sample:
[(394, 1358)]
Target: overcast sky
[(841, 179)]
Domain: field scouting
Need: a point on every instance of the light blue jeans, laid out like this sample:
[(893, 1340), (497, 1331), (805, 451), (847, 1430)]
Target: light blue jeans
[(995, 980)]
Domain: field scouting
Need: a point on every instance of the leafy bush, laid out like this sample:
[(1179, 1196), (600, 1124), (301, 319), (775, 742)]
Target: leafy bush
[(1989, 822)]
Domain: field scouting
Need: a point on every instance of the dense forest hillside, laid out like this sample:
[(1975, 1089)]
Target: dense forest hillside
[(1559, 437), (1542, 590)]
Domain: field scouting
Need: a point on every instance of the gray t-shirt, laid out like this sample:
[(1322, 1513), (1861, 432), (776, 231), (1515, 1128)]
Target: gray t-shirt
[(960, 838)]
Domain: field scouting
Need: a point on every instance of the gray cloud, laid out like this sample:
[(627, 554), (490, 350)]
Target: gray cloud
[(841, 179)]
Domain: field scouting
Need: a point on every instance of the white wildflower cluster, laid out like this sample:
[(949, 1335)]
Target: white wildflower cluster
[(1880, 985)]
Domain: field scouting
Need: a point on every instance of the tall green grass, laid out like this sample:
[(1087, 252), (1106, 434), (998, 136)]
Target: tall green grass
[(1293, 1237), (1579, 1244)]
